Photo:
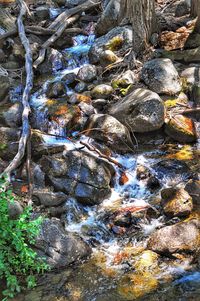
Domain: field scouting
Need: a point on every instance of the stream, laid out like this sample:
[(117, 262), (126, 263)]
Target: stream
[(110, 272)]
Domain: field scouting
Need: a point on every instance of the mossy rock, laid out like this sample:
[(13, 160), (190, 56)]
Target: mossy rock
[(115, 43), (102, 91), (181, 129)]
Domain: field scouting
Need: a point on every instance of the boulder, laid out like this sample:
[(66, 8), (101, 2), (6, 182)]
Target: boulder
[(54, 61), (109, 18), (183, 8), (193, 188), (55, 90), (9, 138), (79, 174), (195, 93), (176, 202), (11, 115), (4, 87), (161, 76), (191, 74), (118, 40), (99, 104), (14, 209), (102, 91), (42, 13), (78, 98), (142, 110), (59, 247), (181, 129), (87, 73), (183, 237), (172, 170), (40, 146), (113, 133), (124, 80), (49, 198)]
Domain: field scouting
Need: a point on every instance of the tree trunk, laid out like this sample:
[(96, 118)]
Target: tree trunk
[(141, 14), (195, 12)]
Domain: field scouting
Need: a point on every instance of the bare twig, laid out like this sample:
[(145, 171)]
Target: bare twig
[(94, 149)]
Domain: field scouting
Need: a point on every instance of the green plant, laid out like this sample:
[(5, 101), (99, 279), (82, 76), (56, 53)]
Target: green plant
[(18, 262)]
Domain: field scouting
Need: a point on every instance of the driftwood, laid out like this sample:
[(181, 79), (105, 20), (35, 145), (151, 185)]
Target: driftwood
[(70, 12), (60, 31), (26, 94), (38, 30), (66, 18)]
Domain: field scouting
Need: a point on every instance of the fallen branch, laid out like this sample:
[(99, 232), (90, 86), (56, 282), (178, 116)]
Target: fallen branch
[(70, 12), (40, 58), (94, 149), (41, 31), (60, 31), (26, 94), (67, 17)]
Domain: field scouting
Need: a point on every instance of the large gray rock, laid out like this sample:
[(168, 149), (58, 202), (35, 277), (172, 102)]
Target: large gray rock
[(161, 76), (59, 247), (49, 198), (109, 18), (191, 74), (87, 73), (118, 39), (172, 171), (79, 174), (4, 87), (111, 132), (14, 209), (11, 115), (56, 89), (9, 138), (176, 202), (181, 237), (142, 110)]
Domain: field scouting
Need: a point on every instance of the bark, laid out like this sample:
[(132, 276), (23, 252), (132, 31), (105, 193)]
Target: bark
[(141, 14), (195, 12)]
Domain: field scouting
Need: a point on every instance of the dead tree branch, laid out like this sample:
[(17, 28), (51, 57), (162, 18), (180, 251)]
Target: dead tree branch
[(67, 17), (26, 94)]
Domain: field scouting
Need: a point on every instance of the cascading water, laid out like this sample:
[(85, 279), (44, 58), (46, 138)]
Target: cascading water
[(110, 246)]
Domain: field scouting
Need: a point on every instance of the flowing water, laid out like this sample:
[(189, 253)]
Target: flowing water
[(109, 274)]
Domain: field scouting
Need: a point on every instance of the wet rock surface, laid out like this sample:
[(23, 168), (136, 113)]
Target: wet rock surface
[(80, 174), (59, 247), (181, 129), (109, 130), (181, 237), (176, 202), (142, 110)]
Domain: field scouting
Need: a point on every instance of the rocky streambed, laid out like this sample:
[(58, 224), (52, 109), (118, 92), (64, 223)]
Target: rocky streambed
[(115, 167)]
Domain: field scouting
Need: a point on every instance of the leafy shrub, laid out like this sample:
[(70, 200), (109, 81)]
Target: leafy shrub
[(18, 262)]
